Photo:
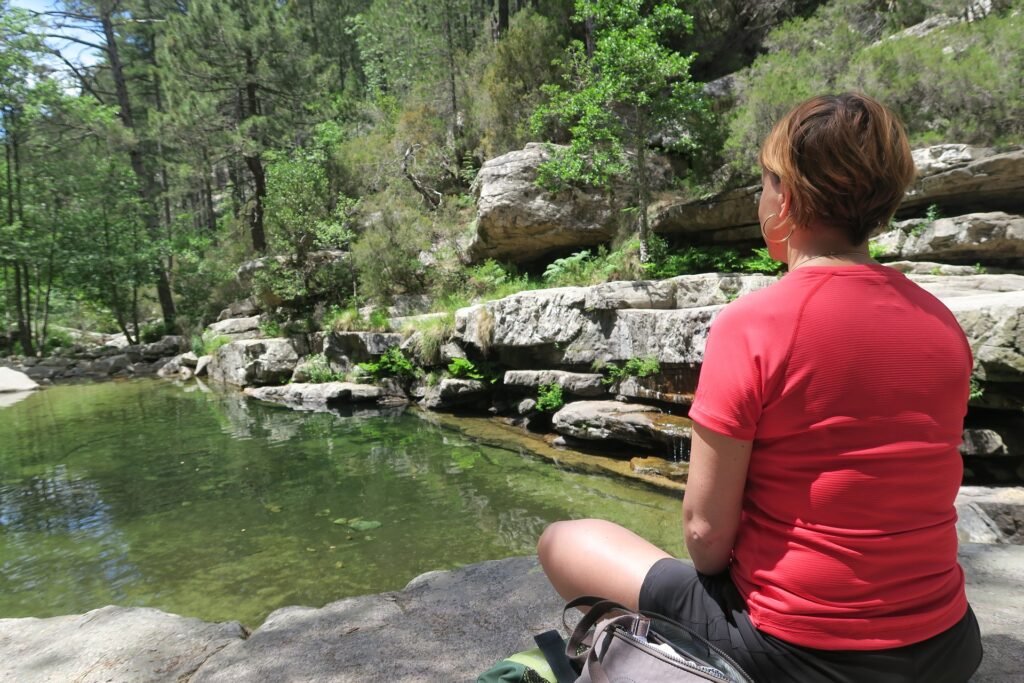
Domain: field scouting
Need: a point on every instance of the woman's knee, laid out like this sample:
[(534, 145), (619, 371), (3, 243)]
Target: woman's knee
[(556, 536)]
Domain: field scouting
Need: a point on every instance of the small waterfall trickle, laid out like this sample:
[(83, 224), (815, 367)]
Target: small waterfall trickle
[(680, 449)]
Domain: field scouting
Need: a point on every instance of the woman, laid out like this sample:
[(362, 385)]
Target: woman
[(819, 508)]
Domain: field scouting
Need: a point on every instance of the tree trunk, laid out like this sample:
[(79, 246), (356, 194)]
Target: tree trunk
[(147, 191), (254, 161), (502, 17), (22, 284), (642, 183)]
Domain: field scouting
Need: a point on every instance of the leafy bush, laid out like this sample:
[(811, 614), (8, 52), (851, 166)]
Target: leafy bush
[(271, 328), (634, 367), (550, 398), (379, 321), (392, 363), (463, 368), (320, 371), (154, 332), (977, 391), (434, 332), (950, 84), (386, 254), (585, 268), (931, 215), (57, 339), (203, 345), (666, 263)]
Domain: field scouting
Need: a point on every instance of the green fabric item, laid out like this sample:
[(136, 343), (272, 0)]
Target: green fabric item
[(522, 667)]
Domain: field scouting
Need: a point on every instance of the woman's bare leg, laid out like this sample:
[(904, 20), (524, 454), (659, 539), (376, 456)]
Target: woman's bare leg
[(595, 557)]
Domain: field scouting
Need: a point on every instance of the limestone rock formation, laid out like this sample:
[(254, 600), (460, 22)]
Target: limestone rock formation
[(236, 328), (613, 322), (518, 222), (453, 393), (348, 348), (630, 423), (449, 626), (516, 218), (254, 362), (316, 395), (993, 238), (574, 383)]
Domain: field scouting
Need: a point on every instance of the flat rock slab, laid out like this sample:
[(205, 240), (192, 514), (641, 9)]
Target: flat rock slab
[(321, 394), (110, 644), (444, 626)]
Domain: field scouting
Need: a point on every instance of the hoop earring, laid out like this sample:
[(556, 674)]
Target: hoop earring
[(765, 234)]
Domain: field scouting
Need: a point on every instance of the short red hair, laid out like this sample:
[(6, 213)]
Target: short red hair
[(845, 160)]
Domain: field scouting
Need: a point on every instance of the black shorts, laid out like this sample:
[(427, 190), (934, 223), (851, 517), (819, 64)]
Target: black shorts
[(712, 607)]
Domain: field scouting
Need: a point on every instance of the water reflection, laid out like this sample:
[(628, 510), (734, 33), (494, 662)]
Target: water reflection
[(211, 505)]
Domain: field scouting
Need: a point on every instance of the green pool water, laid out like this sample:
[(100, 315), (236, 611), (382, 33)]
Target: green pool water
[(206, 504)]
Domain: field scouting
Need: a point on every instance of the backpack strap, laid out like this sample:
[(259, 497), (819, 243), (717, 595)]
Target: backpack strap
[(552, 646)]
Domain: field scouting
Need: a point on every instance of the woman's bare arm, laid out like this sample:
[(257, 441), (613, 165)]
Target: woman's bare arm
[(714, 497)]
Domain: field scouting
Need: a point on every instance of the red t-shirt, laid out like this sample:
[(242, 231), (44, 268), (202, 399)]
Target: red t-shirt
[(852, 382)]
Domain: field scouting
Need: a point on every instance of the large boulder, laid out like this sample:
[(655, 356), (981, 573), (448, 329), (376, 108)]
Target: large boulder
[(629, 423), (13, 381), (973, 178), (254, 362), (170, 345), (516, 220)]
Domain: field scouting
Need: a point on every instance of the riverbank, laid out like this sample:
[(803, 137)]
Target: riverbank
[(443, 626)]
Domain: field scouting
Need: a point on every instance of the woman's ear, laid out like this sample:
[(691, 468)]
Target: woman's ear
[(784, 203)]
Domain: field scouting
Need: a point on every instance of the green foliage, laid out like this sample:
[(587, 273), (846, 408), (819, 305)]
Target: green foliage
[(977, 390), (876, 250), (271, 328), (379, 321), (586, 268), (392, 363), (613, 99), (634, 367), (386, 254), (550, 398), (665, 263), (463, 368), (203, 345), (154, 332), (931, 215), (947, 85), (319, 370), (521, 63), (980, 269)]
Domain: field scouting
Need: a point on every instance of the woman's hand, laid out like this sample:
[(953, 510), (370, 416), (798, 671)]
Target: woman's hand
[(714, 497)]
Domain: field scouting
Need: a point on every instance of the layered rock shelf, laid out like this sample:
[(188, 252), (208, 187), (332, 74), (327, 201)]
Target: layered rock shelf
[(443, 626)]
